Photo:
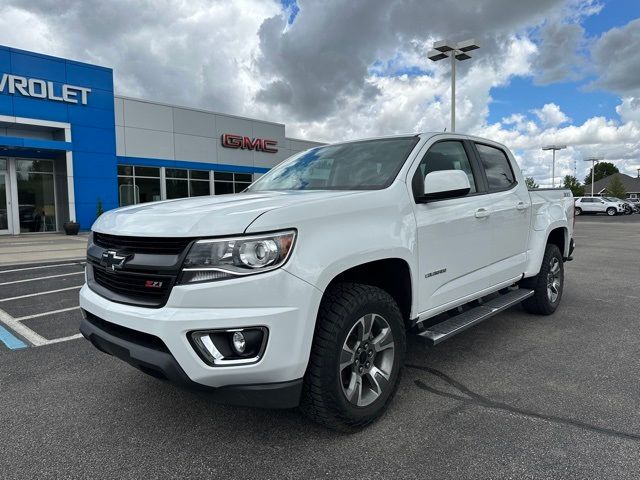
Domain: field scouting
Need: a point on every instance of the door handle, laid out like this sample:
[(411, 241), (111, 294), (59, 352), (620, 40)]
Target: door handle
[(482, 213), (522, 206)]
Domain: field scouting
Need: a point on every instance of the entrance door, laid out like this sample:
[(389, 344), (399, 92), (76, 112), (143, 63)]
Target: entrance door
[(5, 199)]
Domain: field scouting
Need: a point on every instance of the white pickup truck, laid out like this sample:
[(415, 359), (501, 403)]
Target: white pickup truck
[(301, 290)]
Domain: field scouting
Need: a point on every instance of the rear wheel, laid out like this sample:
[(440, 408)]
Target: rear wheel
[(356, 358), (611, 211), (578, 211), (547, 285)]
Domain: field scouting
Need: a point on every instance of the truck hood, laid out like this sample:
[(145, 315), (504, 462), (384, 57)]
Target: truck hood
[(202, 216)]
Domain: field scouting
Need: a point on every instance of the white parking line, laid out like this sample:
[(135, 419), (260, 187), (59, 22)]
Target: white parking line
[(41, 278), (31, 336), (41, 266), (51, 312), (39, 293), (64, 339)]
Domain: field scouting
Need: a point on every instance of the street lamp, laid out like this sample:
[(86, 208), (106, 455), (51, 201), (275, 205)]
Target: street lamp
[(553, 168), (455, 51), (593, 161)]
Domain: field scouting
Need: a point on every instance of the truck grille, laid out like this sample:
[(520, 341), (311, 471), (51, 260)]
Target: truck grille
[(139, 288), (153, 245)]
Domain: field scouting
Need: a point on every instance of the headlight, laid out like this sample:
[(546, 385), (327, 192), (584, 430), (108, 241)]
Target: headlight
[(221, 258)]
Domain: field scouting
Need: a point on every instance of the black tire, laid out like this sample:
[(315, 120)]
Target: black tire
[(611, 211), (324, 399), (541, 302), (578, 211)]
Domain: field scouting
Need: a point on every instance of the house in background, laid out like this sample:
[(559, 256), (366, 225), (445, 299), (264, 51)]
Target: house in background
[(631, 185)]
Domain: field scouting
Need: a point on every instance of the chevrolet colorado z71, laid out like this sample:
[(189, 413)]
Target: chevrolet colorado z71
[(301, 290)]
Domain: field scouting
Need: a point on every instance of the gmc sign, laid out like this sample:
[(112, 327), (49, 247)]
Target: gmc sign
[(247, 143)]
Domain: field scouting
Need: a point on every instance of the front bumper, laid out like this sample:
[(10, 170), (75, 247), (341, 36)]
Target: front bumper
[(158, 362), (284, 304)]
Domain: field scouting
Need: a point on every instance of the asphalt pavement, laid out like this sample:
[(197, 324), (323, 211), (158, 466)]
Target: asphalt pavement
[(518, 396)]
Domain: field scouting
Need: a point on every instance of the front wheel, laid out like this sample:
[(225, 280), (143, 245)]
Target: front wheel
[(356, 357), (578, 211), (611, 211), (547, 285)]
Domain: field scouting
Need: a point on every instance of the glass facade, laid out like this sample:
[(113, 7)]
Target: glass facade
[(4, 198), (36, 195), (137, 184), (227, 182)]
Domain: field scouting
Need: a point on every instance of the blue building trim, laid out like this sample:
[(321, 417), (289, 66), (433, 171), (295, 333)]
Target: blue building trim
[(35, 143), (216, 167), (92, 125)]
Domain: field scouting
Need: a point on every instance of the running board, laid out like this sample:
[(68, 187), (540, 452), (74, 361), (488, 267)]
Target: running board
[(441, 331)]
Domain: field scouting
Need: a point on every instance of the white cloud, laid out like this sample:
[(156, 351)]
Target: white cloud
[(551, 116), (629, 109), (315, 75)]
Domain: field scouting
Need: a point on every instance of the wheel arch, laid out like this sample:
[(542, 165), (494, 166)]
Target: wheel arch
[(393, 275)]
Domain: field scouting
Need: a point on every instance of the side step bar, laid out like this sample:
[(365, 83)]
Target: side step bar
[(441, 331)]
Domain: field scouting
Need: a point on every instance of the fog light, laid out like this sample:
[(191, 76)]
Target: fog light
[(239, 342), (232, 346)]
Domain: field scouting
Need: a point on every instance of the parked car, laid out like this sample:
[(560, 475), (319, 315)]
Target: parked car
[(301, 290), (628, 209), (597, 205), (635, 204)]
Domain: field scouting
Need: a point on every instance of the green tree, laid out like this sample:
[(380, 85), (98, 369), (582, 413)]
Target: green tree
[(99, 208), (531, 183), (616, 188), (603, 169), (574, 185)]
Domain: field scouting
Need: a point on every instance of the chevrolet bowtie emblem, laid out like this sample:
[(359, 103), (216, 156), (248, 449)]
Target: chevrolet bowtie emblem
[(113, 260)]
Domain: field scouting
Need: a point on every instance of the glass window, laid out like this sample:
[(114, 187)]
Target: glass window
[(125, 170), (496, 166), (36, 196), (147, 171), (4, 218), (175, 173), (177, 188), (364, 165), (44, 166), (138, 184), (148, 189), (199, 188), (127, 191), (3, 163), (223, 176), (222, 188), (199, 174), (240, 186), (442, 156), (242, 177)]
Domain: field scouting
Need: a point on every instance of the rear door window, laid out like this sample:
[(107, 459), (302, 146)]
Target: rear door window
[(496, 166)]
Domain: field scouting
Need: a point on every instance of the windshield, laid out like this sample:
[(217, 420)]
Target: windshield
[(366, 165), (612, 199)]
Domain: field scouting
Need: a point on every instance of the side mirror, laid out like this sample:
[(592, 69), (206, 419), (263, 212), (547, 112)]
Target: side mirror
[(445, 184)]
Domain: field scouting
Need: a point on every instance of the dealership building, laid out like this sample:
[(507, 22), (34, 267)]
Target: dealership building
[(69, 146)]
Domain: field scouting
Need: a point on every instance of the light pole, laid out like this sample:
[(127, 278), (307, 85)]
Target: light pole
[(553, 167), (593, 161), (455, 51)]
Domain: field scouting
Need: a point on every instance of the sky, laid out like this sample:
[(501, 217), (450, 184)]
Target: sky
[(548, 71)]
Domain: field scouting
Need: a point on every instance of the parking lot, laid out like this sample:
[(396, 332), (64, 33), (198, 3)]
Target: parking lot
[(517, 396)]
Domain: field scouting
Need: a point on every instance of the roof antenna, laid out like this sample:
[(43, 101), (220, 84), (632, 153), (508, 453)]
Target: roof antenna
[(445, 129)]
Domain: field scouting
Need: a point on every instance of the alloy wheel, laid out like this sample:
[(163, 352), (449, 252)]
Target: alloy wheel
[(366, 360), (554, 280)]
